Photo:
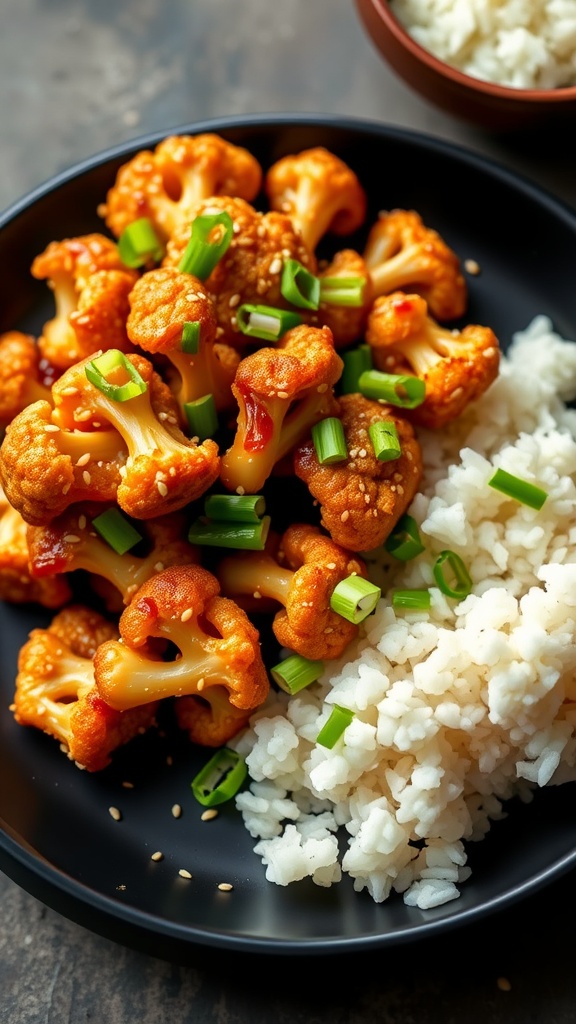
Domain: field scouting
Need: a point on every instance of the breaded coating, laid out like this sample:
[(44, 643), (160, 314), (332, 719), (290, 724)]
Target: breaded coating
[(55, 690), (17, 585), (161, 303), (301, 576), (281, 392), (403, 253), (21, 380), (90, 285), (347, 323), (361, 498), (250, 271), (164, 184), (218, 660), (320, 193), (456, 366), (90, 447), (71, 542)]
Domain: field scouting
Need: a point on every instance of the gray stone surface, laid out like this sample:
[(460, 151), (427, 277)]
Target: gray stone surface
[(76, 78)]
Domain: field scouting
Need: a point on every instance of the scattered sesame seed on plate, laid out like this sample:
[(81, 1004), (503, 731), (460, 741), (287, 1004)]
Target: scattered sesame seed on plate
[(184, 873), (115, 813), (176, 811), (158, 855), (225, 886), (209, 814)]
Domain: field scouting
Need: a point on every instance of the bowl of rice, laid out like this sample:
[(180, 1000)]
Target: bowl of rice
[(503, 66)]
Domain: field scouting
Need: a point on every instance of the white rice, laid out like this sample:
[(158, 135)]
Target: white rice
[(525, 44), (458, 709)]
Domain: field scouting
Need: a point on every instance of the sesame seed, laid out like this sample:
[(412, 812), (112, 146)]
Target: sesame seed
[(240, 490), (331, 565), (162, 489), (282, 394), (86, 477), (81, 522), (71, 538), (345, 515), (322, 388), (200, 684), (225, 886), (184, 874), (186, 614), (176, 811), (209, 815), (362, 453), (275, 266), (489, 352), (158, 566), (234, 300), (257, 594), (157, 856), (472, 267), (128, 785), (66, 488), (51, 428), (115, 813), (69, 392)]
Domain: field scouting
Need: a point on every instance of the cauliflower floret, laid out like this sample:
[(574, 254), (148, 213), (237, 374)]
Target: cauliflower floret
[(346, 322), (55, 689), (21, 381), (456, 366), (161, 303), (301, 576), (166, 183), (90, 447), (281, 392), (402, 252), (362, 498), (319, 191), (250, 271), (90, 285), (71, 542), (17, 584), (218, 664)]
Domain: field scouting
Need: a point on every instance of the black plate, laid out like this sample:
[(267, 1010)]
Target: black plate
[(58, 840)]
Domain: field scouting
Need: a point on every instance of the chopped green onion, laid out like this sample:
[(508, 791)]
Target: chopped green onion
[(265, 322), (139, 243), (342, 291), (243, 508), (355, 598), (201, 255), (385, 440), (299, 286), (109, 361), (115, 529), (356, 361), (417, 600), (296, 672), (333, 729), (404, 541), (202, 417), (459, 582), (190, 337), (219, 534), (220, 779), (400, 389), (329, 441), (521, 490)]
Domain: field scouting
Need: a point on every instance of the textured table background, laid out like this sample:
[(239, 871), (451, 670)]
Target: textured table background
[(76, 78)]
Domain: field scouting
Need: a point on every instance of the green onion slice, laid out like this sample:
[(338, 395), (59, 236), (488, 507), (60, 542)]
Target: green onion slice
[(190, 337), (342, 291), (115, 529), (202, 417), (385, 440), (296, 672), (416, 600), (355, 598), (220, 534), (404, 540), (266, 322), (332, 730), (242, 508), (139, 243), (451, 575), (329, 441), (400, 389), (220, 779), (299, 286), (521, 490), (356, 361), (97, 369), (210, 237)]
